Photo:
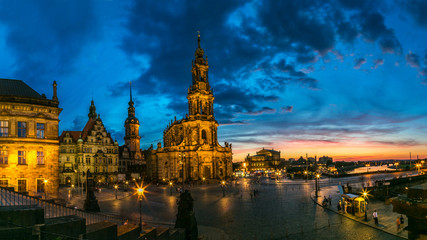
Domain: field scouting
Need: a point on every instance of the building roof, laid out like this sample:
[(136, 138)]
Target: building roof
[(17, 91), (10, 87), (73, 134)]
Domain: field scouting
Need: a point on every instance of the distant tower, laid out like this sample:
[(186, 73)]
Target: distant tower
[(92, 110), (200, 96), (132, 129)]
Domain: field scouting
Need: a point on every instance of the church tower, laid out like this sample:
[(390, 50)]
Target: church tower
[(132, 129), (200, 96)]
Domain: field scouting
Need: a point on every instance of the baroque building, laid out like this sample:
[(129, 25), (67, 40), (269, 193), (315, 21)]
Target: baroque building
[(191, 150), (91, 149), (131, 157), (28, 139), (264, 160)]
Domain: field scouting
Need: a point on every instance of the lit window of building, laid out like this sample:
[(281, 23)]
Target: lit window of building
[(4, 128), (22, 129), (22, 159), (40, 130)]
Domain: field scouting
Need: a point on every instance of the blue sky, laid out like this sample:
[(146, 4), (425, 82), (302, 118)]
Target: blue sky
[(346, 79)]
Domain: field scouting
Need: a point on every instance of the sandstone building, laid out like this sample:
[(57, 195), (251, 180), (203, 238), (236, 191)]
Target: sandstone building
[(191, 150), (264, 160), (91, 149), (28, 139)]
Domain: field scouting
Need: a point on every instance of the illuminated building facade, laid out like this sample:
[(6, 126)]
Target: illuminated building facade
[(91, 149), (264, 160), (28, 139), (191, 150)]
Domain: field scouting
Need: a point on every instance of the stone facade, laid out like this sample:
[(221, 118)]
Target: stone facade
[(191, 150), (264, 160), (91, 149), (28, 139)]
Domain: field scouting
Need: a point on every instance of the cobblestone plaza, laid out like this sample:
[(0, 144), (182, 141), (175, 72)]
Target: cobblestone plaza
[(279, 211)]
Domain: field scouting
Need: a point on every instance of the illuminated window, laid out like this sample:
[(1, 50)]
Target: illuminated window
[(4, 128), (22, 185), (40, 185), (22, 129), (40, 157), (22, 159), (3, 156), (40, 130), (88, 160), (4, 182)]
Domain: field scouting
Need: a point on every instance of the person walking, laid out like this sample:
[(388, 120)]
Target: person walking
[(330, 200), (375, 215), (402, 222), (339, 205)]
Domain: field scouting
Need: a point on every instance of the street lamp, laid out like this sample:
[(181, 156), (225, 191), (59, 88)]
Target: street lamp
[(244, 166), (115, 188), (306, 176), (316, 183), (223, 188), (140, 192), (397, 165), (365, 195), (170, 186), (45, 188)]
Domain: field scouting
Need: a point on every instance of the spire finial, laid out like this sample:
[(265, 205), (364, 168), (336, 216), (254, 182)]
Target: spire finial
[(130, 86), (198, 38)]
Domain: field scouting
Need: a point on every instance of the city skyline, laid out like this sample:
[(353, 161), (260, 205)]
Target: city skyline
[(345, 79)]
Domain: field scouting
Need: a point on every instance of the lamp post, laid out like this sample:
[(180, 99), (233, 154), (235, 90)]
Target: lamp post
[(397, 165), (244, 166), (306, 176), (223, 188), (115, 188), (365, 195), (45, 188), (182, 162), (170, 187), (316, 184), (140, 194)]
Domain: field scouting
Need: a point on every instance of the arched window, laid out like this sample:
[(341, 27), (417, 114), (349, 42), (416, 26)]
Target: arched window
[(204, 134)]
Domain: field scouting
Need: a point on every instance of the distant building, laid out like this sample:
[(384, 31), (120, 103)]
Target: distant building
[(264, 160), (325, 160), (130, 154), (28, 139), (91, 149), (191, 150)]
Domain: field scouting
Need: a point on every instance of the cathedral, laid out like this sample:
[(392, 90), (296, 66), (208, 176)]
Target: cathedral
[(191, 150)]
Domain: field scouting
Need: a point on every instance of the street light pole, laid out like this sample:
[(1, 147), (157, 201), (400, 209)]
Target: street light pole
[(140, 194), (316, 184), (223, 188), (115, 188)]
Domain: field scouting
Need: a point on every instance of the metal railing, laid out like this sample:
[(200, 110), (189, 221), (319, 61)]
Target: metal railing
[(51, 210)]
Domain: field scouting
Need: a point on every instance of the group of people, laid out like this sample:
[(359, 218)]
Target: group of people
[(327, 201), (400, 223)]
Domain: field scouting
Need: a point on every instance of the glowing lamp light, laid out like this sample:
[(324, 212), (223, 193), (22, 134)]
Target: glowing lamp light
[(140, 191), (318, 175), (115, 187), (223, 182), (204, 178), (45, 181), (72, 185), (170, 183)]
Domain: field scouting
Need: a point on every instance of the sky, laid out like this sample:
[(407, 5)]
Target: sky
[(342, 78)]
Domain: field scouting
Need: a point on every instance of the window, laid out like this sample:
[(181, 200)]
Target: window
[(88, 160), (4, 128), (40, 130), (22, 129), (3, 156), (4, 182), (21, 157), (40, 157), (40, 185), (22, 185), (68, 159)]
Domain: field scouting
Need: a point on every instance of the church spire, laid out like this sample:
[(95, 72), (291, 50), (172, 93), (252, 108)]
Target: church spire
[(131, 108), (92, 110)]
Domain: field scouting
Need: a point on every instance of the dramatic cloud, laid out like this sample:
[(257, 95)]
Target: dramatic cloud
[(418, 9), (412, 60), (359, 62), (286, 109), (377, 63)]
